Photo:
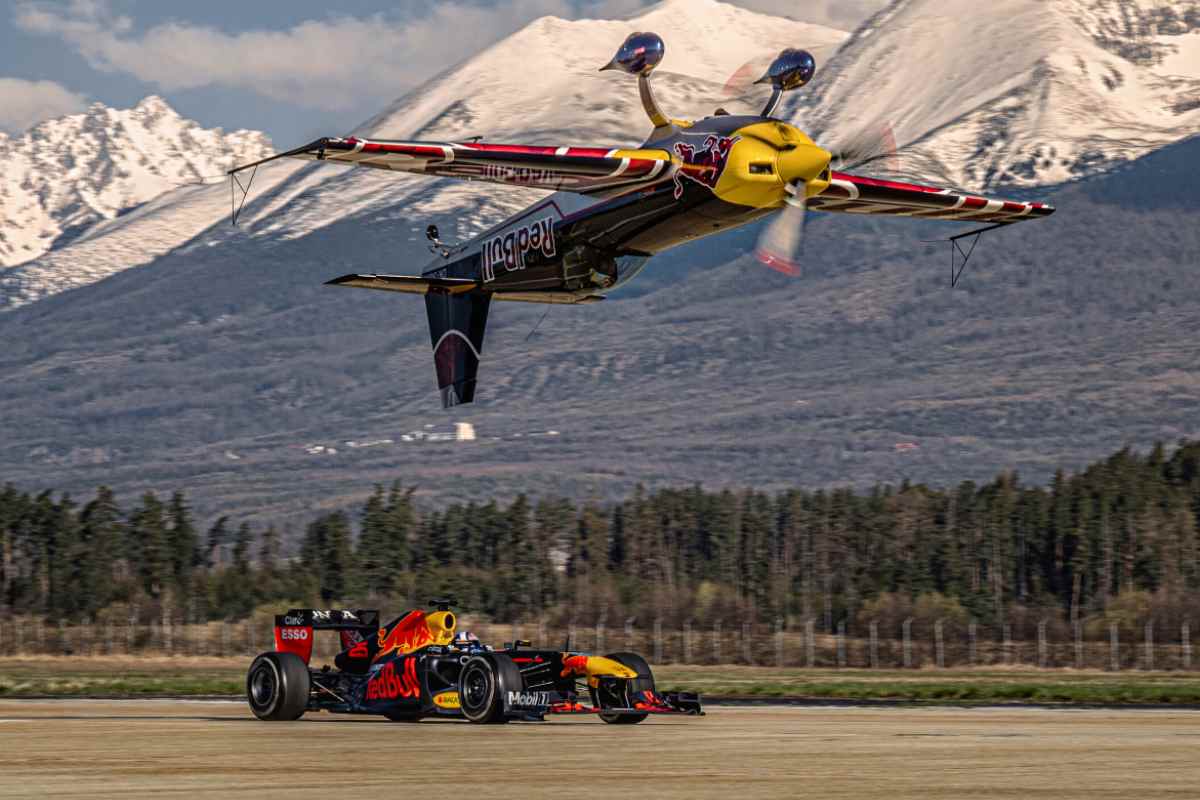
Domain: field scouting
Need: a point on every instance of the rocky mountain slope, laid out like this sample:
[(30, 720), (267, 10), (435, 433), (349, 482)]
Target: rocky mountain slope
[(232, 371)]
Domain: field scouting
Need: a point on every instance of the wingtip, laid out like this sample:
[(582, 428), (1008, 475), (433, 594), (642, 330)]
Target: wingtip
[(344, 279)]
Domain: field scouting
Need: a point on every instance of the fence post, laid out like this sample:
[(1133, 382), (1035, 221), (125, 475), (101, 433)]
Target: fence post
[(687, 642), (1006, 632), (41, 636), (841, 643), (629, 633), (1185, 634), (939, 644), (1078, 644), (810, 643), (1114, 646), (1043, 647), (571, 636), (906, 633), (747, 642), (19, 636), (972, 643), (716, 642), (129, 636), (1149, 665), (541, 632), (874, 644), (779, 659), (658, 644), (599, 636)]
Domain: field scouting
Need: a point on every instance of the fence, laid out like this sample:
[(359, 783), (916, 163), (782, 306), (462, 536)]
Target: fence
[(911, 646)]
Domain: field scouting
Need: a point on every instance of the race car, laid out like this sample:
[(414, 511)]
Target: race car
[(419, 666)]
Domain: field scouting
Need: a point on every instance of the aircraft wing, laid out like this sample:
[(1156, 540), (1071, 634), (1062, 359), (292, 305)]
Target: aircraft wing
[(853, 194), (573, 169)]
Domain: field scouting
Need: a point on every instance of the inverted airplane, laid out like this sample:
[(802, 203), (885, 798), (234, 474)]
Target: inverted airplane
[(613, 209)]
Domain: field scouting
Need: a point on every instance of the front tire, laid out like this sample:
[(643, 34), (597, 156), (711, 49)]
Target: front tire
[(278, 686), (644, 682)]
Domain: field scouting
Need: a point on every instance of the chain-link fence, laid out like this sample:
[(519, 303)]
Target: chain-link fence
[(912, 645)]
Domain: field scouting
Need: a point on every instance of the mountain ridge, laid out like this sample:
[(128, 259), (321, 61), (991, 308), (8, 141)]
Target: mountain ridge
[(1063, 90), (65, 175)]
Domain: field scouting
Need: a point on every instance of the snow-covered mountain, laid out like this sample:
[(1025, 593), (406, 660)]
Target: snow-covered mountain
[(1019, 93), (540, 85), (1022, 93), (64, 176)]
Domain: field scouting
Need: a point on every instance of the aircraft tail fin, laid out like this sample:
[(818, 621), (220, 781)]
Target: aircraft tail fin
[(456, 326)]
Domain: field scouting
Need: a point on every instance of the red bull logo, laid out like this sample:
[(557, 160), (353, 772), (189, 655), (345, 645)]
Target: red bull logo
[(408, 634), (509, 249), (391, 685), (704, 164)]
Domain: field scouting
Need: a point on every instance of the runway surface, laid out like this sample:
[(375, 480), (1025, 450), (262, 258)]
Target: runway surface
[(154, 748)]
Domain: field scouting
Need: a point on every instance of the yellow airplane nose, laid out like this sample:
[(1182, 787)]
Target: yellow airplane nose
[(766, 157), (807, 163)]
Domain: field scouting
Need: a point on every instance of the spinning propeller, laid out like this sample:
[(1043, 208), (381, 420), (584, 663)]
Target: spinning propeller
[(781, 243)]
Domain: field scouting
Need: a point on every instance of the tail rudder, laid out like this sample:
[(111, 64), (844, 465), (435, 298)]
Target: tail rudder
[(456, 328)]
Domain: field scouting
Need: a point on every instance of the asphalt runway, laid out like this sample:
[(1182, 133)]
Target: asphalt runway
[(156, 748)]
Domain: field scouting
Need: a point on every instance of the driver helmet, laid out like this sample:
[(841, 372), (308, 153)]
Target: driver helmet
[(465, 640)]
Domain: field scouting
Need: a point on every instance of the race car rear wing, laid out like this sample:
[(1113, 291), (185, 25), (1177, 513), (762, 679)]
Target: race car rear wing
[(294, 630)]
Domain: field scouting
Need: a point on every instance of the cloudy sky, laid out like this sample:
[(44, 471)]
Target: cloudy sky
[(295, 69)]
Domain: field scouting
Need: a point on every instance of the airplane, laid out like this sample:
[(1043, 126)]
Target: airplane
[(612, 209)]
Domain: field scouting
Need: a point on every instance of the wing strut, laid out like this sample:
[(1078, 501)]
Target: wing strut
[(235, 205), (956, 250)]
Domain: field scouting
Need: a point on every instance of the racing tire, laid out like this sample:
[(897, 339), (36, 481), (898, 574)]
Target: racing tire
[(278, 686), (644, 682), (481, 686)]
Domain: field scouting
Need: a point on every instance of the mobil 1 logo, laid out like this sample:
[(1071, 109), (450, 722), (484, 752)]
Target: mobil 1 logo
[(528, 699)]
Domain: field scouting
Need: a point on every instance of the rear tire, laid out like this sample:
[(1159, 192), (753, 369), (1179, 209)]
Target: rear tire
[(481, 687), (278, 686), (644, 682)]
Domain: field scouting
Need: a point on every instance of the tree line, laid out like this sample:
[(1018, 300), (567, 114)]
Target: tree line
[(1119, 540)]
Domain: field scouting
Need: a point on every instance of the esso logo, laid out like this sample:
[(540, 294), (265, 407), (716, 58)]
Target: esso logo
[(300, 634)]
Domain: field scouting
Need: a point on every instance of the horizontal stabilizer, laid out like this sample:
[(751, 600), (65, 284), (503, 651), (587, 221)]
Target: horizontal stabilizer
[(406, 283)]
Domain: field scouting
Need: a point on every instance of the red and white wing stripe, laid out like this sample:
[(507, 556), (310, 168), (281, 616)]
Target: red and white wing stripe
[(574, 169), (853, 194)]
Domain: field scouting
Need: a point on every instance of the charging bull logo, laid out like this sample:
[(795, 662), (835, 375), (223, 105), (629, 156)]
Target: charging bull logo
[(703, 165), (390, 685), (408, 634), (508, 249)]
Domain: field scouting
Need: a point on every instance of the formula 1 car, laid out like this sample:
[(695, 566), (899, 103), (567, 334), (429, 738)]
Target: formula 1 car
[(418, 666)]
